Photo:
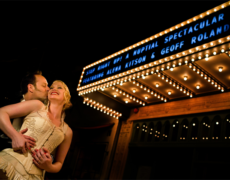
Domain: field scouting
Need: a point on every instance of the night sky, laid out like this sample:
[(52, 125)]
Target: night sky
[(60, 38)]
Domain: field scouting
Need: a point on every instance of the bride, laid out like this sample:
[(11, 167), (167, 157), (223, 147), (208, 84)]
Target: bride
[(46, 125)]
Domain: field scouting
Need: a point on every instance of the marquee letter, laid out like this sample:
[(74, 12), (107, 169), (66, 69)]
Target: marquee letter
[(134, 52), (193, 40), (212, 33), (214, 20), (170, 37), (195, 27), (226, 27), (181, 44), (163, 51), (126, 65), (185, 31), (190, 30), (202, 24), (221, 17), (200, 37), (127, 56), (205, 35), (179, 34), (166, 39), (177, 45), (153, 55), (219, 30), (207, 23)]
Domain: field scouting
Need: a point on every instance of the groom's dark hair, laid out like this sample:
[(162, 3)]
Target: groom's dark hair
[(29, 79)]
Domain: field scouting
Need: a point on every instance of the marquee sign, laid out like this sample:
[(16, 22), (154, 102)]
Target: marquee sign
[(201, 31)]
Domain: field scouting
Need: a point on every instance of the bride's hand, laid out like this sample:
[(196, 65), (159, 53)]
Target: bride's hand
[(42, 158), (19, 143)]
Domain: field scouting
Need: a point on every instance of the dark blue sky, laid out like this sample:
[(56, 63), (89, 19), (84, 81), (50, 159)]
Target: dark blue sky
[(61, 37)]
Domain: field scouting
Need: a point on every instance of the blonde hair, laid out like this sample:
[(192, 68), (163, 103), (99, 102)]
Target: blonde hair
[(67, 95)]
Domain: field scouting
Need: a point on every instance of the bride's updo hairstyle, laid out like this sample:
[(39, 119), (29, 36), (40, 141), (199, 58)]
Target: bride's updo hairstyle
[(67, 95)]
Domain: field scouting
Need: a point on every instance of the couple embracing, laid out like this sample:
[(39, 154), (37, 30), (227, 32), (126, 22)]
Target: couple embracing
[(38, 130)]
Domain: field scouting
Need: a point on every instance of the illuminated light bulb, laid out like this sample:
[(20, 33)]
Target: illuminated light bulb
[(143, 77), (207, 13), (205, 76), (134, 90), (198, 71), (127, 95), (152, 72), (158, 96), (185, 78), (141, 86), (186, 61), (170, 82), (137, 84), (220, 41), (171, 69), (145, 88), (143, 104), (151, 92), (163, 77), (174, 84), (184, 91), (194, 19), (222, 50), (162, 69), (155, 94), (217, 122), (194, 68), (197, 86), (121, 83), (134, 99), (146, 97), (157, 85), (179, 63), (218, 86), (209, 79), (187, 22), (131, 97), (162, 98), (222, 89), (177, 86), (212, 82), (222, 6), (137, 100), (165, 100), (199, 57), (168, 67), (214, 53), (169, 92), (148, 90)]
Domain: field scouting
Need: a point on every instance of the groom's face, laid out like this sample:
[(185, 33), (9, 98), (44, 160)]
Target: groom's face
[(41, 88)]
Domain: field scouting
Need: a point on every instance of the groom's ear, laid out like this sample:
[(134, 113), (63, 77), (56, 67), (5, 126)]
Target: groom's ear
[(30, 88)]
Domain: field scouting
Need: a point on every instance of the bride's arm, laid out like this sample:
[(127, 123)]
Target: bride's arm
[(14, 111), (61, 153)]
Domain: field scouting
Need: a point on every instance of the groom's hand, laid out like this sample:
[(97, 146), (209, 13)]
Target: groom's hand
[(19, 144), (30, 141)]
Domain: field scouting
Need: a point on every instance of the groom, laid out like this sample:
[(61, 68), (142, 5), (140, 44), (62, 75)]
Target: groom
[(33, 86)]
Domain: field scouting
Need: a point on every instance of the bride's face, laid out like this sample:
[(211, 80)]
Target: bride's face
[(56, 92)]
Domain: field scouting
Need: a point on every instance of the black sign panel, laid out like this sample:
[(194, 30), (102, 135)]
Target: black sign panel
[(199, 32)]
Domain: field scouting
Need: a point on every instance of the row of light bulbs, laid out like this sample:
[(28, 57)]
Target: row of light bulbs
[(174, 84), (102, 108), (158, 68), (202, 15), (205, 76), (161, 61), (128, 96), (150, 91)]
